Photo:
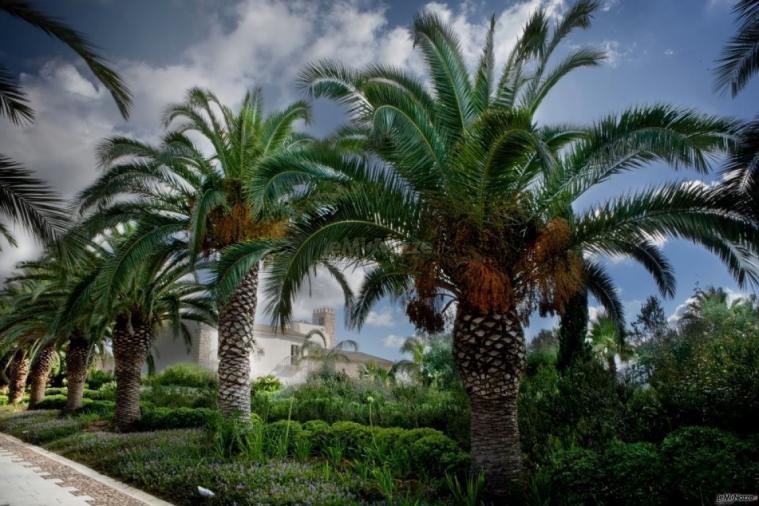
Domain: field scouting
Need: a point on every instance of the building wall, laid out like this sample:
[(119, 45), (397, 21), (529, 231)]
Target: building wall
[(272, 353)]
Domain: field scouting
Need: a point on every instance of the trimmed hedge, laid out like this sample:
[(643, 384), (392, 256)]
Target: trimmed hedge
[(415, 450)]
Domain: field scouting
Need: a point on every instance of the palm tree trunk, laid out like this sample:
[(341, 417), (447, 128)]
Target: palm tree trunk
[(236, 320), (19, 369), (573, 328), (132, 339), (77, 361), (489, 352), (611, 363), (40, 374)]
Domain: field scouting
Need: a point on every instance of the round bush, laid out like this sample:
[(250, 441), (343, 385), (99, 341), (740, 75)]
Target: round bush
[(702, 462), (633, 474), (437, 454), (575, 478)]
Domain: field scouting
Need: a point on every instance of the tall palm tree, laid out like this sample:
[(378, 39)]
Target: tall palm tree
[(456, 193), (40, 290), (23, 197), (26, 328), (159, 292), (175, 190)]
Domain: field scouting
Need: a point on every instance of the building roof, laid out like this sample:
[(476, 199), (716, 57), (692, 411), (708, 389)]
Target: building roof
[(365, 358)]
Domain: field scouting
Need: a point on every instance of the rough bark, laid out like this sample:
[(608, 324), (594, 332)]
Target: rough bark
[(236, 319), (132, 339), (611, 363), (573, 329), (77, 361), (19, 369), (489, 352), (40, 374)]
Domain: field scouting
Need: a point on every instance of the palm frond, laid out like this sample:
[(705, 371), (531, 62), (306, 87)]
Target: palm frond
[(29, 201), (23, 10)]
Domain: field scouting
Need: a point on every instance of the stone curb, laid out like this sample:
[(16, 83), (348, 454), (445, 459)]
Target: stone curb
[(125, 489)]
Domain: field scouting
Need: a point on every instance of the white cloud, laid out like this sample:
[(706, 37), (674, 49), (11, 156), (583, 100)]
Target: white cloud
[(669, 52), (380, 319), (616, 53), (609, 5), (254, 43), (393, 341)]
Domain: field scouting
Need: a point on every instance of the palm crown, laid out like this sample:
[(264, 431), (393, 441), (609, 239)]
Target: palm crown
[(476, 200), (176, 191), (182, 197), (448, 190)]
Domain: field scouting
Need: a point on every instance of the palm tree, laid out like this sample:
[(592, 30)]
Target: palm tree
[(25, 328), (414, 346), (24, 198), (158, 292), (607, 342), (39, 293), (711, 313), (377, 375), (314, 352), (175, 189), (454, 193)]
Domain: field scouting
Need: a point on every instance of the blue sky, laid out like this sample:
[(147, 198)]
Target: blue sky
[(659, 51)]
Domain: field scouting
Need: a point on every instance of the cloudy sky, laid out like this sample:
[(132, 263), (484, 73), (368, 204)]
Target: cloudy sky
[(658, 51)]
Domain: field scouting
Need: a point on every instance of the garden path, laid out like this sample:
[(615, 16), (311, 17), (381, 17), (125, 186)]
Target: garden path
[(31, 476)]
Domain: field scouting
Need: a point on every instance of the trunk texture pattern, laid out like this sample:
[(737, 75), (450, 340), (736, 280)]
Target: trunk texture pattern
[(489, 352), (40, 373), (19, 369), (236, 320), (77, 361), (131, 344)]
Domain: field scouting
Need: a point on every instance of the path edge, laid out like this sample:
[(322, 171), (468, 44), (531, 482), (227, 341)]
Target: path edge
[(125, 489)]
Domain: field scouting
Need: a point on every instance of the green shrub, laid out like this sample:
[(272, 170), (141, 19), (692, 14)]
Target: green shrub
[(633, 475), (320, 434), (269, 383), (575, 478), (97, 378), (179, 396), (437, 455), (161, 418), (353, 437), (280, 437), (702, 462), (186, 375), (56, 391), (106, 392)]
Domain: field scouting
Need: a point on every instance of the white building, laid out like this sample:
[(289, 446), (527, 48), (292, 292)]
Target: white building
[(274, 352)]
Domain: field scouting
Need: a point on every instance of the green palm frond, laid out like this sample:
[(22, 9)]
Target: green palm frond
[(235, 262), (450, 79), (55, 28), (739, 61), (14, 104), (29, 201)]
